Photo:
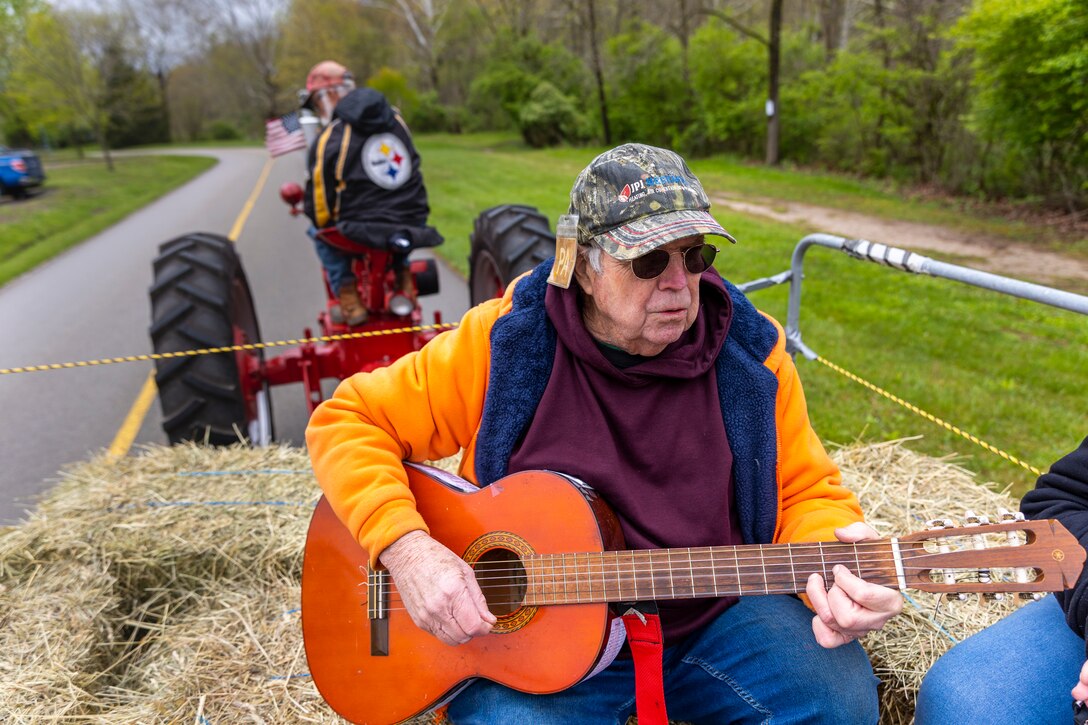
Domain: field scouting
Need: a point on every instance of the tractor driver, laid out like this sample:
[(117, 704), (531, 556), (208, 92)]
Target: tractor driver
[(363, 168)]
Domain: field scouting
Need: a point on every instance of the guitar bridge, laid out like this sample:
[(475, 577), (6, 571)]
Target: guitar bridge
[(377, 601)]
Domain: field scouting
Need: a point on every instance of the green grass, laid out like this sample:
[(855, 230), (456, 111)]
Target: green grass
[(1008, 371), (80, 199)]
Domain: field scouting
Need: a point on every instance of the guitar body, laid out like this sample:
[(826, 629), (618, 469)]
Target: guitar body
[(534, 649)]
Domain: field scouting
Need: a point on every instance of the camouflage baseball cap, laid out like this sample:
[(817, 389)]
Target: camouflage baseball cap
[(636, 198)]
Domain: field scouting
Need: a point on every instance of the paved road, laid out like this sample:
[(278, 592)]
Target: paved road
[(91, 302)]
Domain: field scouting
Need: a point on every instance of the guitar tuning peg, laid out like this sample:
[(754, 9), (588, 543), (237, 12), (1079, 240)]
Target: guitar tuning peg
[(973, 519), (940, 524)]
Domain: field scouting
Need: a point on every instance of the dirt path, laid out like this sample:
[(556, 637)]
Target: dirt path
[(999, 256)]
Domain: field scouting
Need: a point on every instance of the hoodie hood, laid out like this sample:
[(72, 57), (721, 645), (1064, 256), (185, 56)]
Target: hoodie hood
[(365, 110)]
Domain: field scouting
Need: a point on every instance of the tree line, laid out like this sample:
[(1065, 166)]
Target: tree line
[(987, 98)]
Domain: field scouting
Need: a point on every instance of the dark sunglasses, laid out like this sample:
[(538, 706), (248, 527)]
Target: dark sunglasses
[(697, 259)]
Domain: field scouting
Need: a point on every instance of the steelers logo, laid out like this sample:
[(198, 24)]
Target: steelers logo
[(386, 160)]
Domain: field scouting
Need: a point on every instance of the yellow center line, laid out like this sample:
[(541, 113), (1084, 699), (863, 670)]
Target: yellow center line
[(122, 442), (135, 418), (236, 230)]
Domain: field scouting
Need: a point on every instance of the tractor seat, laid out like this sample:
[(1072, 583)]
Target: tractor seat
[(365, 237)]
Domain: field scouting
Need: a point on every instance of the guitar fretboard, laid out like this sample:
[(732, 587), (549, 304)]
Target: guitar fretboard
[(718, 571)]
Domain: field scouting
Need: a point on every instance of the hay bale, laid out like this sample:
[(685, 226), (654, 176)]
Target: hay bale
[(177, 573), (900, 491), (181, 513), (144, 540), (234, 655), (56, 626)]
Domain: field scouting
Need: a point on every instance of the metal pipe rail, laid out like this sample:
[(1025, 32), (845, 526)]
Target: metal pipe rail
[(904, 261)]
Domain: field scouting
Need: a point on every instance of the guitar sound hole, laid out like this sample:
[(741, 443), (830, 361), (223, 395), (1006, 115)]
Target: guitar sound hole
[(502, 578)]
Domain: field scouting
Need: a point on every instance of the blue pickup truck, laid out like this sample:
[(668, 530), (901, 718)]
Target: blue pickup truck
[(19, 170)]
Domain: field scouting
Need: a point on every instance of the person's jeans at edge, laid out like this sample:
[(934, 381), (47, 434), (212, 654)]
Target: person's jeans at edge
[(1018, 670)]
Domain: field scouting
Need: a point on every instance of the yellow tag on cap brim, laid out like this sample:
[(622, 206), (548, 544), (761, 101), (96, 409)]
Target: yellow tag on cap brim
[(566, 251)]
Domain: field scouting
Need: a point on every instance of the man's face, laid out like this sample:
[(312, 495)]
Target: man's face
[(641, 316)]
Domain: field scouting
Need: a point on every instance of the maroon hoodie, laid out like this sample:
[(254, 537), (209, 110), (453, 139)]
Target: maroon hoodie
[(648, 437)]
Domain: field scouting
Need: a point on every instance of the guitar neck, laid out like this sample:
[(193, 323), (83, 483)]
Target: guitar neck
[(690, 573)]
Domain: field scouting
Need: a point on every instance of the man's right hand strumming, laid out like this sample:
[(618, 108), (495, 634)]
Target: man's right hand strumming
[(438, 588)]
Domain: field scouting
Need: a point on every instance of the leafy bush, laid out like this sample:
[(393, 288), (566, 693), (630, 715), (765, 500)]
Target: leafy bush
[(893, 113), (549, 118), (222, 131), (496, 95), (647, 98), (394, 86), (513, 72), (850, 119), (729, 76), (1031, 90), (429, 114)]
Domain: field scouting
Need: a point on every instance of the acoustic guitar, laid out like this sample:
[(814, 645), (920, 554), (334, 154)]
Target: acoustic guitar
[(549, 557)]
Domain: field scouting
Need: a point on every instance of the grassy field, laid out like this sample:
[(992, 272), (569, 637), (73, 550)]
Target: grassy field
[(1011, 372), (1008, 371), (80, 199)]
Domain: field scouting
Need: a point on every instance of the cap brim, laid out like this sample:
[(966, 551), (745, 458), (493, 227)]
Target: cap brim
[(642, 235)]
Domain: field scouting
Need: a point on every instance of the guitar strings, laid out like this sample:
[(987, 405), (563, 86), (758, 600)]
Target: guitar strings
[(721, 559), (870, 567), (536, 574), (776, 562), (711, 559), (775, 583), (710, 593)]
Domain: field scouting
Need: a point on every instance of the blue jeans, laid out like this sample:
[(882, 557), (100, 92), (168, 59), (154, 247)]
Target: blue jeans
[(1018, 670), (337, 264), (756, 663)]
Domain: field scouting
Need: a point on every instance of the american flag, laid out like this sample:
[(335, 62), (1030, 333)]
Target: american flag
[(283, 135)]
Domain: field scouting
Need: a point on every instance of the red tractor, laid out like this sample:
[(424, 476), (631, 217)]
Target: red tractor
[(200, 300)]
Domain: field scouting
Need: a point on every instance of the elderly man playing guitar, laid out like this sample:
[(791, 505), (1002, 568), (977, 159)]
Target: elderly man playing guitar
[(638, 371)]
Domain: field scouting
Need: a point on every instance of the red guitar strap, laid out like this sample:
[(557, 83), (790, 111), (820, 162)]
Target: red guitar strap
[(647, 645)]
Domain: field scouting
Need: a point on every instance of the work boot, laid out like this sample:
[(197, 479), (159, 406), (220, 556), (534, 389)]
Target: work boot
[(351, 307)]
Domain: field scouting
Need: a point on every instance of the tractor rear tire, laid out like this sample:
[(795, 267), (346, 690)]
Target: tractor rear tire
[(507, 241), (200, 299)]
